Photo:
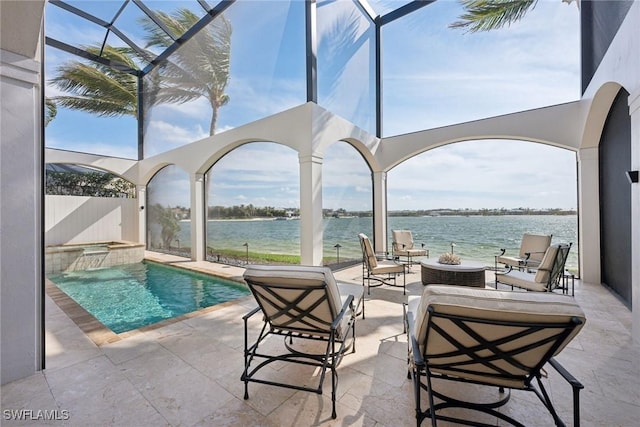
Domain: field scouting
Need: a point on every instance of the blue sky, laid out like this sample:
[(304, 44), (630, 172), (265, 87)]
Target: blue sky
[(433, 76)]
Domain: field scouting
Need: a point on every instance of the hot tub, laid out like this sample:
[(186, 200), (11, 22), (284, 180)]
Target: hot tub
[(86, 256)]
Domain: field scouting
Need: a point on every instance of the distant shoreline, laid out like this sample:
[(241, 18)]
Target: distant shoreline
[(412, 214)]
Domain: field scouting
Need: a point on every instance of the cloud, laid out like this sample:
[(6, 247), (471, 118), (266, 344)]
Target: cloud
[(485, 174), (162, 136), (452, 76), (433, 75)]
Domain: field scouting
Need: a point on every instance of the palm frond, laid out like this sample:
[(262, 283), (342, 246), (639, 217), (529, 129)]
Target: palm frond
[(97, 88), (101, 107), (486, 15), (198, 68), (51, 110)]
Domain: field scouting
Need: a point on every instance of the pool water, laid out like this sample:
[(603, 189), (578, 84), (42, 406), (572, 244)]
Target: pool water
[(130, 296)]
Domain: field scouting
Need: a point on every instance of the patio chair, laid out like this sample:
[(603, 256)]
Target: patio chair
[(532, 249), (305, 306), (548, 276), (382, 272), (487, 337), (403, 246)]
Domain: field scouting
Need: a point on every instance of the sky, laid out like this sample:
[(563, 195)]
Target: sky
[(432, 76)]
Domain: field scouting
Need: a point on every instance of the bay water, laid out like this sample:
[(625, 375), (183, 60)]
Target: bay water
[(474, 237)]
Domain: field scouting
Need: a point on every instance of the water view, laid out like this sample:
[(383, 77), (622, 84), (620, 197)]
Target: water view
[(475, 237)]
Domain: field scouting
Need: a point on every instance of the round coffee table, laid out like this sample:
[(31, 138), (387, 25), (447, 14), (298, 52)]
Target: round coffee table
[(467, 273)]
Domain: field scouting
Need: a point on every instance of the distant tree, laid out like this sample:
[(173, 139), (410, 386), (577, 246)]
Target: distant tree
[(169, 226), (93, 184)]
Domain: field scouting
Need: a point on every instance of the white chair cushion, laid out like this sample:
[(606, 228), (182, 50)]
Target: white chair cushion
[(544, 269), (370, 255), (492, 304), (535, 244), (294, 276), (522, 280), (403, 239)]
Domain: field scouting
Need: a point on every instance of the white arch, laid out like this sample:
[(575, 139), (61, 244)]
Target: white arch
[(550, 125)]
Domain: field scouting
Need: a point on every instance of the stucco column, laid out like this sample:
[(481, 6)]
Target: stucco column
[(310, 210), (589, 208), (198, 226), (380, 211), (141, 194), (634, 111), (21, 213)]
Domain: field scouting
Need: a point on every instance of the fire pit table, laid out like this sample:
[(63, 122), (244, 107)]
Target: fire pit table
[(467, 273)]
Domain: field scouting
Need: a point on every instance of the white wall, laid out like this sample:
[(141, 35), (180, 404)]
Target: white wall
[(76, 219), (20, 217)]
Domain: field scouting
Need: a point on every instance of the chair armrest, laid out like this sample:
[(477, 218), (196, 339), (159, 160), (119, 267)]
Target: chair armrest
[(348, 303), (509, 270), (415, 349), (565, 374), (251, 313), (527, 255)]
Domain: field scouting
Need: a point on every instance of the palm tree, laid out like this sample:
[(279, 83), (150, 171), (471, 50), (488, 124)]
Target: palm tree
[(486, 15), (199, 68), (97, 88), (51, 110)]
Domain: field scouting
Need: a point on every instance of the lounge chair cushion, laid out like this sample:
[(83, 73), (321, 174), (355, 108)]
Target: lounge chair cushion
[(544, 269), (371, 260), (523, 280), (534, 244), (491, 304), (294, 276), (404, 245)]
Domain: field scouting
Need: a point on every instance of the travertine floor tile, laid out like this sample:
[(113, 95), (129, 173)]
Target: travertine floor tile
[(187, 373)]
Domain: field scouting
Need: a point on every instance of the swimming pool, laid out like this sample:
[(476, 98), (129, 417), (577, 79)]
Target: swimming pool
[(130, 296)]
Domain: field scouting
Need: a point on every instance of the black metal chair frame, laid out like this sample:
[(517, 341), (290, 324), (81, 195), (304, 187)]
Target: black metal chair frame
[(336, 346), (488, 353), (380, 279), (557, 276)]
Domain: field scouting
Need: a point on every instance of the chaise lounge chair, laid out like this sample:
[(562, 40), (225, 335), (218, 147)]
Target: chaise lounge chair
[(381, 272), (548, 276), (303, 305), (404, 246), (487, 337)]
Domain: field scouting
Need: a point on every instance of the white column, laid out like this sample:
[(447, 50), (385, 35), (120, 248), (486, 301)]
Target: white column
[(198, 217), (634, 111), (311, 210), (21, 213), (141, 194), (589, 209), (380, 211)]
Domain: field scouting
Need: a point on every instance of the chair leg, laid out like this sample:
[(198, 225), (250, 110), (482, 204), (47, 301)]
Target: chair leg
[(416, 394), (334, 381)]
